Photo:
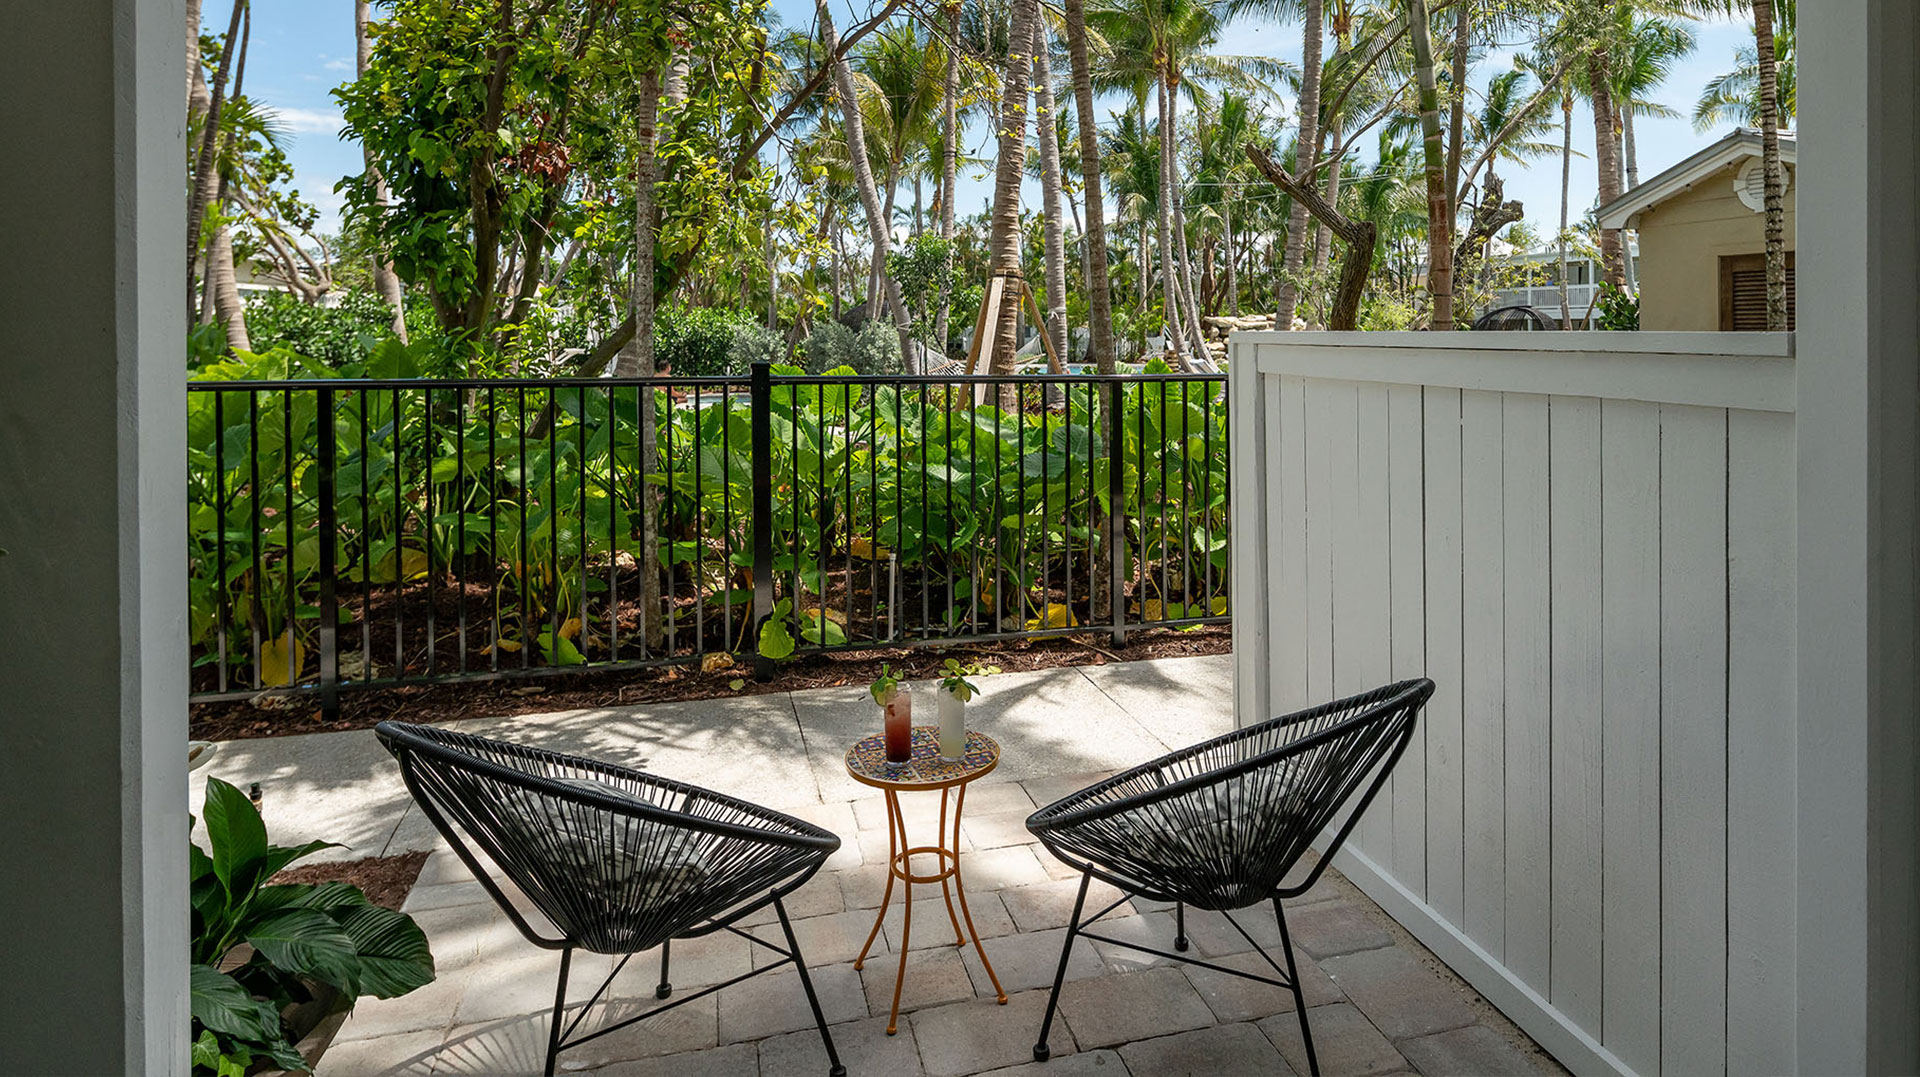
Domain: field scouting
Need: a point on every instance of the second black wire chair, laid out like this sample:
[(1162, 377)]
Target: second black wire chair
[(1220, 825), (618, 860)]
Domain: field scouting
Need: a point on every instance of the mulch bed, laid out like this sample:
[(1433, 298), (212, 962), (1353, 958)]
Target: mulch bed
[(284, 716), (385, 880)]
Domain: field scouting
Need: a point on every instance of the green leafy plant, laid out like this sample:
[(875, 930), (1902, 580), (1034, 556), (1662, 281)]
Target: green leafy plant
[(884, 686), (258, 950), (1617, 309), (954, 674)]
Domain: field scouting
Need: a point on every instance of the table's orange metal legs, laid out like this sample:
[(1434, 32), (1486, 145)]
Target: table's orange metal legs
[(900, 866)]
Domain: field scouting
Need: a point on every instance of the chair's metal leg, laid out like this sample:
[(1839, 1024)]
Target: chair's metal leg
[(1041, 1052), (559, 1010), (1299, 999), (813, 1000), (666, 985), (1180, 926)]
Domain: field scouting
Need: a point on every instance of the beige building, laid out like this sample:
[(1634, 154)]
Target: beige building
[(1702, 236)]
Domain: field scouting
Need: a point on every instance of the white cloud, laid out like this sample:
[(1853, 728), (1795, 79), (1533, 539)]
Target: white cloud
[(310, 121), (338, 63)]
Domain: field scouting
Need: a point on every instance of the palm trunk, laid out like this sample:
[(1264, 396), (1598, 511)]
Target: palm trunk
[(205, 177), (1099, 285), (1599, 80), (1196, 333), (863, 180), (636, 358), (385, 281), (1232, 284), (223, 290), (1566, 179), (1439, 211), (1170, 307), (949, 164), (1773, 176), (1004, 242), (1046, 123), (877, 272), (1305, 151), (1626, 140)]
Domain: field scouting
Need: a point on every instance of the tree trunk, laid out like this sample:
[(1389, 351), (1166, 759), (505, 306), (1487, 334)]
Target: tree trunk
[(949, 164), (1313, 28), (224, 290), (636, 359), (1457, 103), (863, 179), (205, 178), (1171, 310), (877, 271), (1566, 179), (1773, 175), (1232, 283), (1196, 331), (1439, 204), (1004, 242), (1045, 122), (1626, 140), (385, 281), (1599, 80), (1361, 238)]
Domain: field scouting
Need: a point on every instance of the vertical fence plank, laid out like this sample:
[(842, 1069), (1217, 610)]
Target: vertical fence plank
[(1287, 544), (1365, 649), (1761, 742), (1255, 427), (1406, 576), (1693, 737), (1446, 836), (1329, 427), (1576, 700), (1630, 751), (1483, 677), (1526, 593)]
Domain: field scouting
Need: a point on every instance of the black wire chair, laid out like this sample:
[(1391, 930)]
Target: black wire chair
[(1221, 824), (619, 861)]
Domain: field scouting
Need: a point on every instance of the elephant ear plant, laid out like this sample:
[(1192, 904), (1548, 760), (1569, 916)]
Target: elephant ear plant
[(259, 951)]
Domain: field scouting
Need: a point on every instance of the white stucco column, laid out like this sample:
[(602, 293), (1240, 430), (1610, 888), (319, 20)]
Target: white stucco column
[(93, 813), (1858, 356)]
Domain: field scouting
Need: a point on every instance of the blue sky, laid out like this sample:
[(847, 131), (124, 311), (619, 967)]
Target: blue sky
[(301, 49)]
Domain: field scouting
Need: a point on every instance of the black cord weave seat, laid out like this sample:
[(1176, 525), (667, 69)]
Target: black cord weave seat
[(1221, 824), (618, 860)]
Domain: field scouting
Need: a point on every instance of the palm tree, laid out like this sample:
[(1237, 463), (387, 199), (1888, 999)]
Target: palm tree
[(1047, 124), (949, 163), (878, 224), (1099, 287), (1652, 47), (1774, 176), (1735, 95), (896, 70), (1004, 244), (1312, 34)]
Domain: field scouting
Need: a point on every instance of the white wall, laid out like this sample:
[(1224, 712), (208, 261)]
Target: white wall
[(93, 910), (1592, 552)]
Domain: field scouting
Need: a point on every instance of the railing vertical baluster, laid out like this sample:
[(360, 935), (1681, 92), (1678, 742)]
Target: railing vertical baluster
[(220, 522), (327, 521), (1117, 507), (761, 402), (427, 535), (460, 495), (613, 531)]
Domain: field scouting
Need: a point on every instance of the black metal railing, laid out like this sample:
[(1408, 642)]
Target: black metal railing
[(360, 533)]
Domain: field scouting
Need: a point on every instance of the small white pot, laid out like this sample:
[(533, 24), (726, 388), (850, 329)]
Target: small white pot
[(953, 725)]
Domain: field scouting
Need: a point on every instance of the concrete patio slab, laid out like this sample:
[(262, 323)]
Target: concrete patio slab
[(1379, 1002)]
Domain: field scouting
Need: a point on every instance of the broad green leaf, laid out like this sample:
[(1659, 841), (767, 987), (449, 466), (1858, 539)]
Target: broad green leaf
[(218, 1002), (235, 832), (307, 942), (393, 954)]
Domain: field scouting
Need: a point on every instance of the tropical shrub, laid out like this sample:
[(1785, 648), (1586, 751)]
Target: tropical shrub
[(898, 511), (332, 336), (1616, 308), (754, 343), (260, 949), (698, 341), (874, 348)]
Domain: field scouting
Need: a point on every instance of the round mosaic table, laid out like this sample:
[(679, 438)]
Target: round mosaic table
[(924, 772)]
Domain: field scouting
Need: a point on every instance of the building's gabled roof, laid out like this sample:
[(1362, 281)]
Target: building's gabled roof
[(1743, 142)]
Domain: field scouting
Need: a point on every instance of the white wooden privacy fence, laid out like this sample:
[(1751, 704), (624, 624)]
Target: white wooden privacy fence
[(1587, 540)]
